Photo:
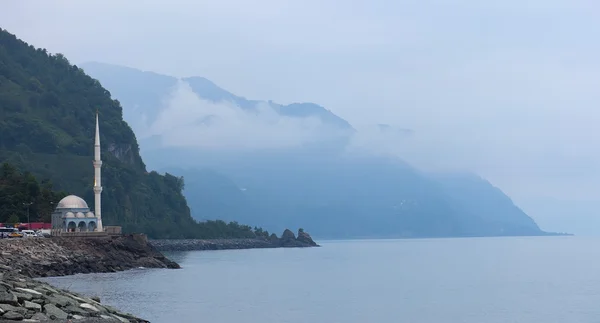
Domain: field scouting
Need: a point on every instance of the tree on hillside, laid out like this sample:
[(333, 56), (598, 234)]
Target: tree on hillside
[(18, 189)]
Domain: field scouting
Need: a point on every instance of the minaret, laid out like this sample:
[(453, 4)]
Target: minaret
[(97, 178)]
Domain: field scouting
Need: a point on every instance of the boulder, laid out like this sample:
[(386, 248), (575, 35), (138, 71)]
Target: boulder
[(89, 307), (60, 300), (10, 308), (13, 316), (33, 293), (39, 317), (7, 297), (23, 296), (32, 306), (121, 319), (54, 312), (75, 310)]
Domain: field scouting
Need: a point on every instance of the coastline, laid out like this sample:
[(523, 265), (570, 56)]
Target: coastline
[(22, 297)]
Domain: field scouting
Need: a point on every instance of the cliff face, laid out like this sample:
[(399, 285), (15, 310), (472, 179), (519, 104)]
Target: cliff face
[(47, 109)]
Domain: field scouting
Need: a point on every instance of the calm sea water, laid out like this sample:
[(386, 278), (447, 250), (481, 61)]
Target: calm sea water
[(499, 280)]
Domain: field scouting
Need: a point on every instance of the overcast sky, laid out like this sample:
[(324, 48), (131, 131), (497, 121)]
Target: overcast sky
[(509, 89)]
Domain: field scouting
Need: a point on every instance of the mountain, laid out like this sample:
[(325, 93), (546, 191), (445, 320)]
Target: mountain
[(320, 184), (47, 123), (144, 94)]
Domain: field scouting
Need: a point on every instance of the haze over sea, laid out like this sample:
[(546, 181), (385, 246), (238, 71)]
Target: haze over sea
[(470, 280)]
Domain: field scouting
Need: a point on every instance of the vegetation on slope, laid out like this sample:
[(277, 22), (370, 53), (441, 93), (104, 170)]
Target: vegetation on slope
[(47, 109), (21, 193)]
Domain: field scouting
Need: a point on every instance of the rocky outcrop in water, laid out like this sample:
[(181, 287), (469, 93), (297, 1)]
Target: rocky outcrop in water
[(305, 238), (287, 240)]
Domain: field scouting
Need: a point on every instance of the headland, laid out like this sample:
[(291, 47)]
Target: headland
[(287, 240)]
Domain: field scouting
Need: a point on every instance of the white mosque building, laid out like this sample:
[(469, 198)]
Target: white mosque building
[(72, 213)]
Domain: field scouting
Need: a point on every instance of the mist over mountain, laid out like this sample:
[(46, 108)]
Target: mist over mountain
[(277, 165)]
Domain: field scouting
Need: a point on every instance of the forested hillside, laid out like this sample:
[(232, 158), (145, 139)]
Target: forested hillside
[(47, 109), (21, 193)]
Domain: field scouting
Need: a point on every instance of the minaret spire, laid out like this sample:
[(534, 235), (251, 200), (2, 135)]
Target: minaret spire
[(97, 177)]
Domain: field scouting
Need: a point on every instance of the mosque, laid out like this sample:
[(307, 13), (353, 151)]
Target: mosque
[(72, 213)]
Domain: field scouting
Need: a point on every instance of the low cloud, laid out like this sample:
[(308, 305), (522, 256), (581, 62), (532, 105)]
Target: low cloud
[(190, 121)]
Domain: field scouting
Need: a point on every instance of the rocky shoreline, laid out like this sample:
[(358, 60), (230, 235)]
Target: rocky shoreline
[(25, 299), (22, 298), (287, 240)]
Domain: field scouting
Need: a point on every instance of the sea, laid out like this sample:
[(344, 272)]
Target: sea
[(470, 280)]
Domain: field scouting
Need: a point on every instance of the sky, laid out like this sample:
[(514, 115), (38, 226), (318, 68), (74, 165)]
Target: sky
[(507, 89)]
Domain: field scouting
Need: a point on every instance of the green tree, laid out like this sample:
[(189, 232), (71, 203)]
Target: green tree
[(13, 219)]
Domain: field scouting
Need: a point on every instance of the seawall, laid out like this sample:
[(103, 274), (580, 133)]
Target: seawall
[(21, 260)]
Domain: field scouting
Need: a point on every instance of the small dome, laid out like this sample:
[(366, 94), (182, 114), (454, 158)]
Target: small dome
[(80, 215), (72, 202), (90, 215), (70, 215)]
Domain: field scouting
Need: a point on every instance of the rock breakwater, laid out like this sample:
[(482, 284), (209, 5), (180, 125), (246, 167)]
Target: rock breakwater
[(287, 240), (24, 299), (42, 257)]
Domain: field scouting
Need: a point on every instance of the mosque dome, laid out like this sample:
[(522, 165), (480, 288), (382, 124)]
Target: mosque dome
[(72, 202), (90, 215), (70, 215), (80, 215)]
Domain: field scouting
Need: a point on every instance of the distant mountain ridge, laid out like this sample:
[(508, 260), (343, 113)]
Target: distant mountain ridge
[(331, 192), (148, 89)]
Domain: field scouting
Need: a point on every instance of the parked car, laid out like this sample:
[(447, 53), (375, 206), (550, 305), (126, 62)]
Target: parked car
[(15, 234), (28, 233)]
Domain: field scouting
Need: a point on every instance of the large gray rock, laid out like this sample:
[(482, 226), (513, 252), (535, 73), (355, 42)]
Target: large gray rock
[(32, 306), (60, 300), (10, 308), (72, 309), (13, 316), (39, 317), (20, 284), (6, 284), (121, 319), (54, 312), (23, 296), (33, 293), (8, 298), (89, 307)]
